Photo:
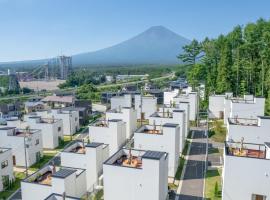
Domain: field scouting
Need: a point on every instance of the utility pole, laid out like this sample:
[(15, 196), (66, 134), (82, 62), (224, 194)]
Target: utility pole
[(27, 130), (141, 105)]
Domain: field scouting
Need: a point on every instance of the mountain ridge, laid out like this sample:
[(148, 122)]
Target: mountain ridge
[(156, 45)]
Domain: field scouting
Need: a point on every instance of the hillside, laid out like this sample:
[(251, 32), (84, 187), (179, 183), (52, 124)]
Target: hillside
[(156, 45)]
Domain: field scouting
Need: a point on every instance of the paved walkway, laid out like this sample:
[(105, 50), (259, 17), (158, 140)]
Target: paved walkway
[(192, 180)]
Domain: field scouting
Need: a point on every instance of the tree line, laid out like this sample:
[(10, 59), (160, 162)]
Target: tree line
[(238, 62)]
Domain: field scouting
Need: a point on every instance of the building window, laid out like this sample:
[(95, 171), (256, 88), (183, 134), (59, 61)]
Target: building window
[(76, 119), (59, 129), (37, 141), (4, 164), (258, 197)]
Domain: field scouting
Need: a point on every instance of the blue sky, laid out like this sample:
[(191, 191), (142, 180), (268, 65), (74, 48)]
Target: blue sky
[(33, 29)]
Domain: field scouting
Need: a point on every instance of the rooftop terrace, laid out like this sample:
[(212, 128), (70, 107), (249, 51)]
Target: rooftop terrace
[(249, 150), (132, 158), (150, 129), (162, 114), (243, 121), (44, 176)]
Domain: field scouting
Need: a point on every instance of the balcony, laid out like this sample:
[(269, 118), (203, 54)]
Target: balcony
[(243, 121), (249, 150)]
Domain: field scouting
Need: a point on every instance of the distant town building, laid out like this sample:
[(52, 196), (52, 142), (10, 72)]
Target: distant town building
[(59, 101), (121, 101), (135, 174), (65, 66), (34, 104)]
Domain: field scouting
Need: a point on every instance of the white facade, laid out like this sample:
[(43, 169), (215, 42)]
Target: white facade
[(176, 117), (144, 177), (247, 175), (184, 106), (51, 130), (128, 115), (193, 99), (169, 95), (86, 156), (216, 106), (251, 130), (121, 101), (247, 107), (149, 106), (160, 138), (112, 132), (13, 138), (6, 166), (50, 179), (70, 119)]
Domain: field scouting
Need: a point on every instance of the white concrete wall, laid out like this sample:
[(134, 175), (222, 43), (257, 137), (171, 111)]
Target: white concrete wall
[(186, 108), (114, 135), (121, 101), (216, 106), (248, 110), (243, 177), (51, 132), (193, 100), (6, 156), (169, 95), (70, 120), (177, 118), (73, 185), (168, 141), (258, 134), (128, 115), (149, 105), (16, 143), (91, 161), (32, 191), (124, 183)]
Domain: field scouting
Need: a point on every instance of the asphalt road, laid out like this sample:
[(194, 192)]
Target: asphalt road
[(193, 179)]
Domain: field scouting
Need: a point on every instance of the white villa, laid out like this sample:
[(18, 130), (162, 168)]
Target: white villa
[(246, 171), (21, 140), (163, 138), (136, 174), (112, 132), (6, 168), (128, 115)]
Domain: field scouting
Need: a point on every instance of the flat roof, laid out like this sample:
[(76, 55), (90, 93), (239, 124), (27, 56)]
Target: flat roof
[(156, 155), (171, 125), (94, 144), (63, 173)]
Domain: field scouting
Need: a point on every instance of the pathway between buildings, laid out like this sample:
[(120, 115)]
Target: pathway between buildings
[(191, 185)]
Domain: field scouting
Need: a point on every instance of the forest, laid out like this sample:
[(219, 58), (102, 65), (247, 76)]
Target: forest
[(238, 62)]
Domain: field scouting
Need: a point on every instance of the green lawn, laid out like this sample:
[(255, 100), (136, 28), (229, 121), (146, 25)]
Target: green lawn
[(213, 177), (217, 131), (46, 157), (182, 161), (5, 194)]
